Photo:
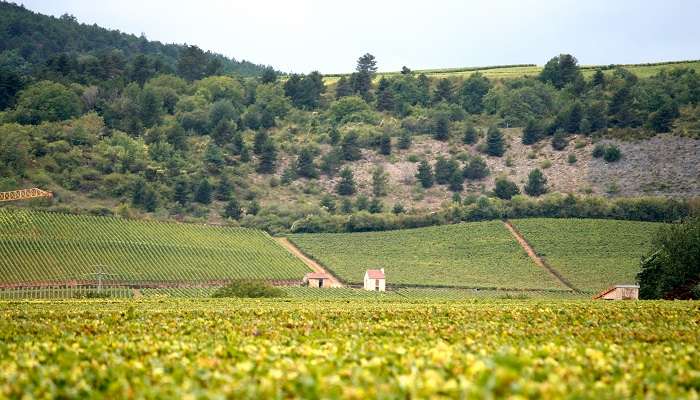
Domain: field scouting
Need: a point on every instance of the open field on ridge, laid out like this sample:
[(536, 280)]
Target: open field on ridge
[(352, 349)]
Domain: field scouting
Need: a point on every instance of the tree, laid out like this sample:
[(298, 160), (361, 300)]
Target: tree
[(661, 120), (233, 209), (305, 90), (505, 189), (181, 192), (470, 135), (573, 118), (11, 83), (223, 132), (441, 127), (305, 164), (444, 169), (385, 144), (375, 206), (476, 169), (362, 79), (214, 157), (598, 78), (346, 185), (380, 179), (405, 139), (425, 174), (346, 206), (47, 101), (495, 145), (203, 192), (350, 148), (559, 140), (362, 203), (192, 63), (561, 70), (343, 88), (269, 75), (536, 183), (532, 132), (259, 140), (328, 202), (398, 209), (612, 154), (443, 91), (456, 180), (268, 158), (472, 93), (672, 271), (224, 190)]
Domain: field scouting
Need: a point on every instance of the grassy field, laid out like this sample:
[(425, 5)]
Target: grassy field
[(641, 70), (352, 349), (36, 246), (591, 254), (481, 254)]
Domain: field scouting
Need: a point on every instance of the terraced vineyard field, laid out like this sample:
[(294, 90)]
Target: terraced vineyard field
[(591, 254), (353, 349), (37, 246), (480, 254)]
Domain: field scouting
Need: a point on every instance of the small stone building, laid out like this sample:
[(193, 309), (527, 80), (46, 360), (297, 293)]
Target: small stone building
[(317, 280), (619, 292), (375, 280)]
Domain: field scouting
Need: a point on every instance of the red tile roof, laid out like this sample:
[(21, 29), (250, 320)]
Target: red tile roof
[(317, 275), (375, 274)]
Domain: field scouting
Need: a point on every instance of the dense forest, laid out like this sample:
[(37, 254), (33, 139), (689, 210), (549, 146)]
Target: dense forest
[(115, 123)]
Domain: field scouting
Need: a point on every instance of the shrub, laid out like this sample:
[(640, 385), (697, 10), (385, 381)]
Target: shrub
[(559, 141), (505, 189), (476, 169), (470, 135), (249, 289), (612, 154), (571, 159), (598, 151), (495, 144)]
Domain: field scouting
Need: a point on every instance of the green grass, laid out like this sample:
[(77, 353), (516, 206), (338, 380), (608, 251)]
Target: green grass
[(37, 246), (510, 72), (481, 254), (592, 254)]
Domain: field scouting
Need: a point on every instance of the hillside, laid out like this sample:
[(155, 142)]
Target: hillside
[(33, 39), (39, 247)]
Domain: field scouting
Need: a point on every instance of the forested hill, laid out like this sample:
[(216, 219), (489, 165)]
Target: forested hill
[(44, 43)]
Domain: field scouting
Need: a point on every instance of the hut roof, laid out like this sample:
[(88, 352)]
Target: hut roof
[(375, 274), (317, 275), (611, 288)]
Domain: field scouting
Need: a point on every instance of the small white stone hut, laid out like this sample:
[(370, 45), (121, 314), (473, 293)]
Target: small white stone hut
[(317, 280), (375, 280), (619, 292)]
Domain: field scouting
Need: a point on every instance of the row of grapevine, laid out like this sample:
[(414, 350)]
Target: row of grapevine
[(38, 246)]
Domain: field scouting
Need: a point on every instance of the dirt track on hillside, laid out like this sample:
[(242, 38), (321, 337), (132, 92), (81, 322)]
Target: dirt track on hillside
[(316, 267)]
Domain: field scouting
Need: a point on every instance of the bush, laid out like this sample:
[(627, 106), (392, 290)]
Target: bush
[(505, 189), (571, 159), (559, 141), (249, 289), (598, 151), (536, 183), (672, 271), (612, 154)]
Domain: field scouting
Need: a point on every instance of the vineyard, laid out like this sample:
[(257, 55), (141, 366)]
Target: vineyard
[(480, 254), (591, 254), (354, 349), (41, 247)]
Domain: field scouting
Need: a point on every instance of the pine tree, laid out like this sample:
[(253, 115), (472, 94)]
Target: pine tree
[(375, 206), (346, 206), (350, 148), (456, 180), (203, 193), (385, 144), (476, 169), (343, 88), (405, 139), (224, 190), (259, 141), (268, 158), (444, 169), (443, 91), (233, 209), (495, 145), (328, 202), (305, 164), (425, 174), (536, 183), (181, 193), (532, 132), (505, 189), (441, 127), (223, 132), (470, 135), (346, 186), (380, 179)]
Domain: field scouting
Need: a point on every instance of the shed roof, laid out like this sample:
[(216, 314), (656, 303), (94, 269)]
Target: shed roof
[(317, 275), (611, 288), (375, 274)]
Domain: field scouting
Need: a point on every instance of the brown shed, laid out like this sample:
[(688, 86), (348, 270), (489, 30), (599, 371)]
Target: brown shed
[(619, 292)]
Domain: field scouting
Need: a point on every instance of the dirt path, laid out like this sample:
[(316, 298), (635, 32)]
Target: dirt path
[(535, 258), (316, 267)]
